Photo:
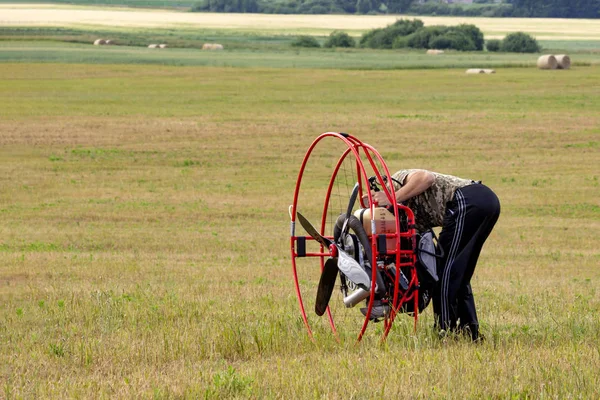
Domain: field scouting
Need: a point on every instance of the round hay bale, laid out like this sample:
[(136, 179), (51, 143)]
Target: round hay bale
[(563, 61), (217, 46), (99, 42), (547, 62), (152, 46), (435, 52), (162, 46), (207, 46), (475, 71), (109, 42)]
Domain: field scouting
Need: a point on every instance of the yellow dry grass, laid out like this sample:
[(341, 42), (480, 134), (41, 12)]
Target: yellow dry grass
[(28, 15)]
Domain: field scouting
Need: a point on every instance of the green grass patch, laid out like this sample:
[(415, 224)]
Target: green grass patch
[(569, 46), (245, 48), (278, 57), (142, 37)]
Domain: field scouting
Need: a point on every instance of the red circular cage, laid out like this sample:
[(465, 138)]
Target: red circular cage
[(387, 257)]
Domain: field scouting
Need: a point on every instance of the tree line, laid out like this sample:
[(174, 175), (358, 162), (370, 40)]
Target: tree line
[(485, 8), (556, 8)]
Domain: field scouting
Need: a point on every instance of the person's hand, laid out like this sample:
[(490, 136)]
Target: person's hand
[(378, 197)]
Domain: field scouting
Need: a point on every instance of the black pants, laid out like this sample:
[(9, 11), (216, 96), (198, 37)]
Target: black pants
[(469, 219)]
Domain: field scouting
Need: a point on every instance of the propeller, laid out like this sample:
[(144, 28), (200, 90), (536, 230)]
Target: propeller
[(341, 261), (326, 285), (312, 231)]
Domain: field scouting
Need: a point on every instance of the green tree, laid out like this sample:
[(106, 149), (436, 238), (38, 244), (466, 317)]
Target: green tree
[(493, 45), (249, 6), (339, 39), (364, 6), (348, 6), (474, 34), (520, 42), (398, 6), (528, 8), (305, 41), (556, 8)]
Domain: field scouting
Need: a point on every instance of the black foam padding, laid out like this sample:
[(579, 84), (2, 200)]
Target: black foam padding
[(301, 246), (382, 244)]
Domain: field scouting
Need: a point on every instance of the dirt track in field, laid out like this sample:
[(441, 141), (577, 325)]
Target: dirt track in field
[(51, 15)]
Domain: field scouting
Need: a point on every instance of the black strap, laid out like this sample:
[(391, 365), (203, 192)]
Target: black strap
[(382, 244), (361, 214), (397, 181), (301, 246)]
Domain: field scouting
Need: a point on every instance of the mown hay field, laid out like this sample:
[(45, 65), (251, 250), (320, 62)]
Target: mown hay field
[(281, 56), (69, 16), (144, 231)]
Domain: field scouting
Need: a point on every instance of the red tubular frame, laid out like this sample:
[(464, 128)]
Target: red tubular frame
[(404, 258)]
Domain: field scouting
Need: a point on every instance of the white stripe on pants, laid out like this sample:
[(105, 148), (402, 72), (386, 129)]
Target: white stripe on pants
[(458, 231)]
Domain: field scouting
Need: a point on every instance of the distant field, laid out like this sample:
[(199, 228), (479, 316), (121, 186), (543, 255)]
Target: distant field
[(249, 40), (19, 15), (31, 33)]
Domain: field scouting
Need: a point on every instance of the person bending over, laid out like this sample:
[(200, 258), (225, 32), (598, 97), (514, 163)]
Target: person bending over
[(467, 211)]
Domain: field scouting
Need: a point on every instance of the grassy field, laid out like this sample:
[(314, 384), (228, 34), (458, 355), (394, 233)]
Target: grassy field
[(144, 247), (282, 57), (65, 45)]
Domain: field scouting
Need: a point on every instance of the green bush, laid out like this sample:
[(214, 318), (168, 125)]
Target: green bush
[(305, 41), (339, 39), (462, 38), (383, 38), (371, 38), (441, 42), (473, 33), (520, 42), (400, 42), (407, 33), (421, 38), (452, 40), (406, 26), (493, 45)]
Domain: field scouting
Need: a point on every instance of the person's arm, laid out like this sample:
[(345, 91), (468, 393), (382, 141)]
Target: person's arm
[(415, 183)]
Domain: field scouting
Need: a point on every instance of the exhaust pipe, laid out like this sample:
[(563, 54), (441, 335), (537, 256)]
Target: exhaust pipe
[(356, 297)]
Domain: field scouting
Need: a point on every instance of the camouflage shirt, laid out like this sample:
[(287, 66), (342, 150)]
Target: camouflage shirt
[(430, 206)]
